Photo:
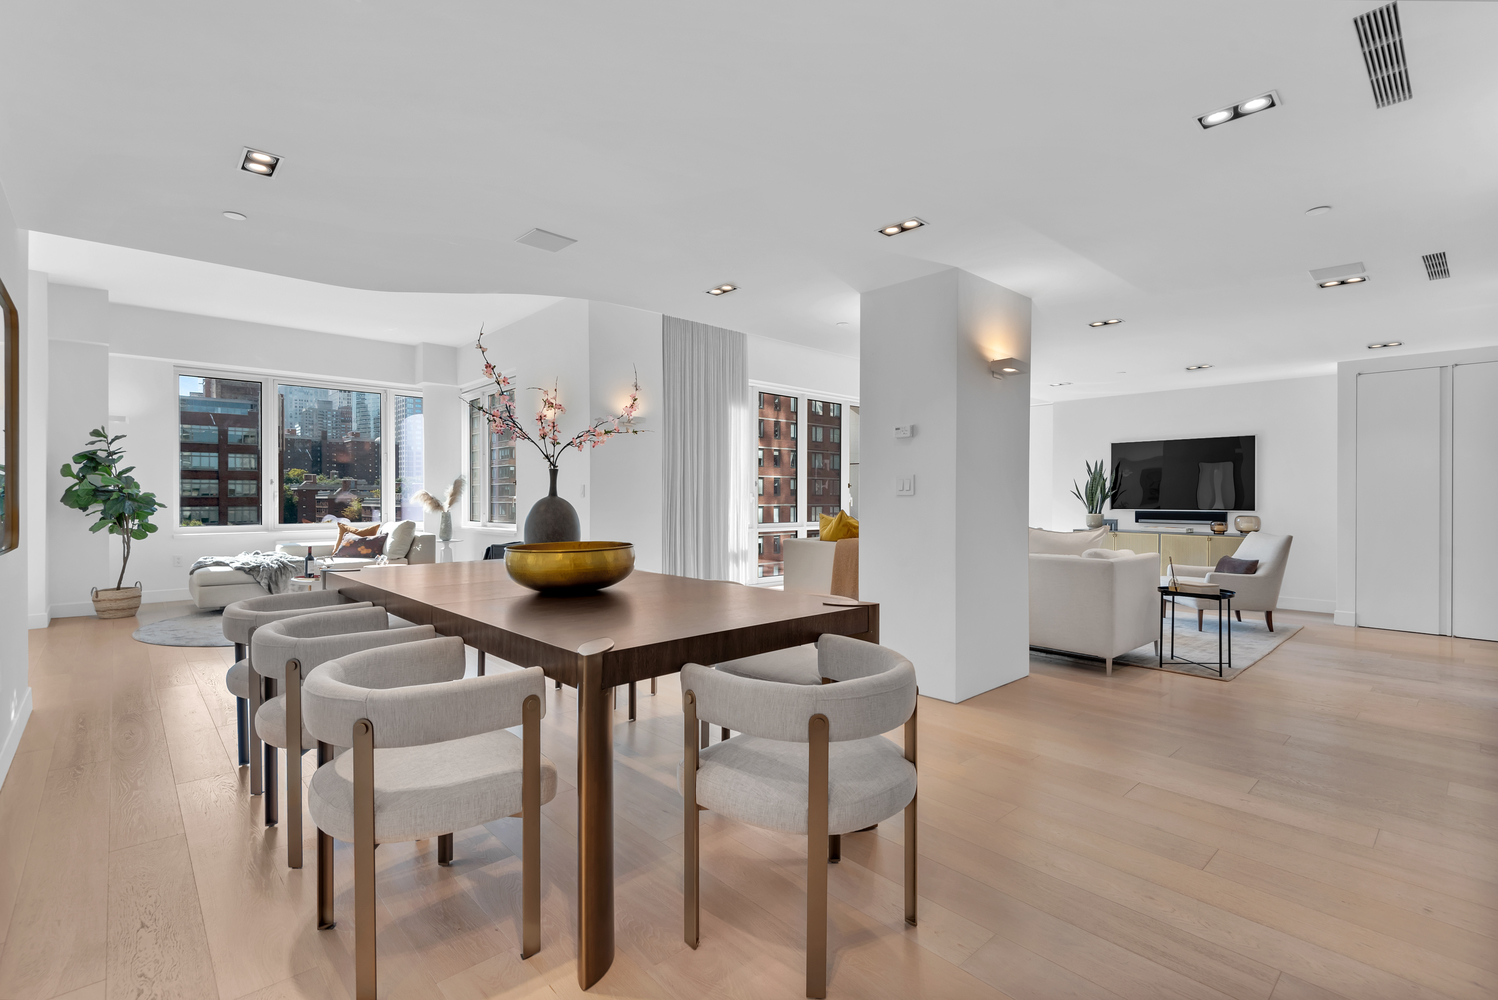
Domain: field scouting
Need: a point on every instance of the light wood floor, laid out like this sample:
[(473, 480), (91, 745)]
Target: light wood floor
[(1321, 827)]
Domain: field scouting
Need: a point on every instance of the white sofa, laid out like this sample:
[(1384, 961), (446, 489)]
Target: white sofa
[(1092, 601), (808, 565), (220, 586)]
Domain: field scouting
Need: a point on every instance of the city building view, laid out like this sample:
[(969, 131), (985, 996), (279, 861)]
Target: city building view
[(329, 454), (219, 434), (824, 459), (409, 457), (776, 496)]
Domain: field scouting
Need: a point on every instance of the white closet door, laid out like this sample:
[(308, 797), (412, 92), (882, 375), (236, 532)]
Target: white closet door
[(1474, 461), (1399, 500)]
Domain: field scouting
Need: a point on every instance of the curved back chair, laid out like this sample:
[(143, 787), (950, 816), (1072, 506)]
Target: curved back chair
[(430, 756), (1256, 591), (808, 759), (241, 619), (284, 653)]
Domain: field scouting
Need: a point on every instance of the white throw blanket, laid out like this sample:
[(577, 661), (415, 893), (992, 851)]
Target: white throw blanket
[(272, 570)]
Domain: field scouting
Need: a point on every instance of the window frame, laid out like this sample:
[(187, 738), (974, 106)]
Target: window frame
[(478, 482), (270, 441), (797, 473)]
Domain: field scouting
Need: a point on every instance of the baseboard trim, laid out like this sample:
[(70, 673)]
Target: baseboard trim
[(13, 739), (38, 621), (79, 610), (1308, 604), (1348, 618)]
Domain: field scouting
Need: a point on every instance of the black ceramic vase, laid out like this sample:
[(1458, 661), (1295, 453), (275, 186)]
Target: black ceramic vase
[(552, 519)]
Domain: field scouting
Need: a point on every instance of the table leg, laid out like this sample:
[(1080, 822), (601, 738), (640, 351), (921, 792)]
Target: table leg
[(595, 823)]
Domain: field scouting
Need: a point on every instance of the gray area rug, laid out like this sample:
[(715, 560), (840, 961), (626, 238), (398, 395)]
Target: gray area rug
[(1252, 641), (201, 628)]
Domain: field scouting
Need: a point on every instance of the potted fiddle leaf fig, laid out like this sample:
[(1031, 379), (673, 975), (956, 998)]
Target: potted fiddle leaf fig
[(101, 488)]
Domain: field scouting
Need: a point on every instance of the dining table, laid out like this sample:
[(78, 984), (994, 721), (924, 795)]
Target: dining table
[(647, 626)]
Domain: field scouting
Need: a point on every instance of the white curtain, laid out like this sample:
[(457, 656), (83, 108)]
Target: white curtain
[(707, 515)]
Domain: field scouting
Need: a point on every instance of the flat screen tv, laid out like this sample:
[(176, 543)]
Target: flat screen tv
[(1188, 474)]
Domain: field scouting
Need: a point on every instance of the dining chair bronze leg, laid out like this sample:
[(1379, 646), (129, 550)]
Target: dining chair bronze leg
[(325, 919), (242, 722), (530, 827), (910, 853), (257, 783), (691, 900), (725, 734), (445, 850), (652, 687), (816, 858), (365, 987), (834, 848), (705, 734), (631, 701), (294, 764), (559, 685), (1199, 613), (481, 663), (272, 778)]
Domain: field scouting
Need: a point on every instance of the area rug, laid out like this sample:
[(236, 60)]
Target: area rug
[(1252, 641), (201, 628)]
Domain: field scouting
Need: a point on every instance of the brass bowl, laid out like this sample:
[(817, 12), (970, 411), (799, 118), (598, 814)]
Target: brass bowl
[(569, 567)]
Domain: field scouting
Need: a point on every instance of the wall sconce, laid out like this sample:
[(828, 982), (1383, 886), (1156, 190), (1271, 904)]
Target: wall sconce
[(1004, 367)]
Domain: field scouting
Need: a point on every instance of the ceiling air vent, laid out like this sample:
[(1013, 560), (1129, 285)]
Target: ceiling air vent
[(1435, 266), (1383, 54)]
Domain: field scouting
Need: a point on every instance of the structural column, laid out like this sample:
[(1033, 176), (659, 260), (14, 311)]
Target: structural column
[(944, 547)]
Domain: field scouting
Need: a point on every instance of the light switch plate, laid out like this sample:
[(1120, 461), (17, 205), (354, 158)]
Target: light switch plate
[(904, 486), (904, 430)]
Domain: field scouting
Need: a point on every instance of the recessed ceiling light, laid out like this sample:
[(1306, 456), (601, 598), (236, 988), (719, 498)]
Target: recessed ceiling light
[(236, 216), (1105, 322), (901, 227), (1111, 322), (841, 322), (1319, 210), (1330, 284), (1242, 110), (543, 239), (258, 162), (1387, 343), (1353, 281), (722, 289), (1196, 368), (1055, 385)]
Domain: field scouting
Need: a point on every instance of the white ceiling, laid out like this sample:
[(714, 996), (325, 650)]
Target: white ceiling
[(141, 278), (1052, 146)]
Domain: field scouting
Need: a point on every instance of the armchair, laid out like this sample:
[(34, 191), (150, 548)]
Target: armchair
[(1256, 591)]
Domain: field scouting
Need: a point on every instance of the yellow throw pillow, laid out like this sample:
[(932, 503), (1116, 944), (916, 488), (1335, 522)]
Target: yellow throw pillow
[(839, 526)]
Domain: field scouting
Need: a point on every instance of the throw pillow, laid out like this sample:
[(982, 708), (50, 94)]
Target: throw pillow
[(346, 531), (1227, 564), (358, 547), (838, 526), (400, 533)]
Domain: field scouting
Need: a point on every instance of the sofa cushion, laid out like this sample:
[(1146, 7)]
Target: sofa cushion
[(1107, 553), (400, 534), (1065, 543)]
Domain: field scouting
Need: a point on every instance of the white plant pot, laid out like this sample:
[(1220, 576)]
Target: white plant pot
[(1094, 520)]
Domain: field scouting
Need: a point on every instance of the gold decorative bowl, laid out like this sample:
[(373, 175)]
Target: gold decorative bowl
[(569, 567)]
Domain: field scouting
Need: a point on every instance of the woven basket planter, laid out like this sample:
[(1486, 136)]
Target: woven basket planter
[(121, 602)]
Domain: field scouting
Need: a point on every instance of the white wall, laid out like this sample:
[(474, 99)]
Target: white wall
[(15, 689), (626, 471), (1042, 446), (1295, 421), (37, 501), (78, 402), (948, 564), (779, 362)]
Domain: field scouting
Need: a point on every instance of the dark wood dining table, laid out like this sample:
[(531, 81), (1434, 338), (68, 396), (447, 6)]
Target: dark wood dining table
[(649, 625)]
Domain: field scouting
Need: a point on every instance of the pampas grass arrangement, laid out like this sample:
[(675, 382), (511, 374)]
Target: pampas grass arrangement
[(431, 503)]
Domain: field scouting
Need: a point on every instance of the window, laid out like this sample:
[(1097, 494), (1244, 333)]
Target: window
[(330, 454), (410, 457), (218, 423), (491, 467), (777, 501), (761, 458)]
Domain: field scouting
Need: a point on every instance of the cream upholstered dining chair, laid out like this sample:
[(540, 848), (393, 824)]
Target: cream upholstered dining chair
[(241, 619), (1256, 591), (430, 755), (808, 759), (285, 652)]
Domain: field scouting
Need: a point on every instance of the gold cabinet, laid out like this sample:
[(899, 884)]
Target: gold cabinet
[(1183, 549)]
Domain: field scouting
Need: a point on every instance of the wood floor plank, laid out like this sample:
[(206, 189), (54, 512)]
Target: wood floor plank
[(143, 793), (20, 801), (157, 945)]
